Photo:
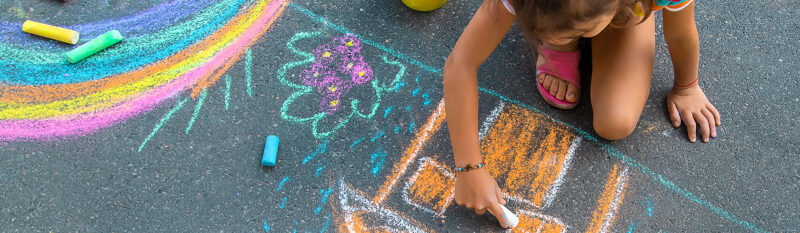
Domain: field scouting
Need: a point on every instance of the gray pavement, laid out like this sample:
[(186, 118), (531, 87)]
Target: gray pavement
[(385, 167)]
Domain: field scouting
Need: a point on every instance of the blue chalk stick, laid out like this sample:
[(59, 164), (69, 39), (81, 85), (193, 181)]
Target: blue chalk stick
[(270, 151)]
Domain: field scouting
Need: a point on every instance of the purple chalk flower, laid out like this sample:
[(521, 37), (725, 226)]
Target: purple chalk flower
[(338, 67), (348, 43), (325, 54), (315, 73), (361, 73)]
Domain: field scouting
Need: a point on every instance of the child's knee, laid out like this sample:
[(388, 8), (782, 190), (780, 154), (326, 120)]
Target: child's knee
[(615, 126)]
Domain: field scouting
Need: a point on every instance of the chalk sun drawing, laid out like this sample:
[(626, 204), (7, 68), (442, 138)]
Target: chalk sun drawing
[(331, 72), (173, 48)]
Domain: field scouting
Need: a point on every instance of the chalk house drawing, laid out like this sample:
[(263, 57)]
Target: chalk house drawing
[(329, 74), (529, 155)]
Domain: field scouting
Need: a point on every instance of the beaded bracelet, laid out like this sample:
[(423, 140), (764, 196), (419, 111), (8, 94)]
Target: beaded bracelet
[(469, 167)]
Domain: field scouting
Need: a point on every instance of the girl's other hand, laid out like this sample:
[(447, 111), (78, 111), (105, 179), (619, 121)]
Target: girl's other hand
[(691, 106), (477, 190)]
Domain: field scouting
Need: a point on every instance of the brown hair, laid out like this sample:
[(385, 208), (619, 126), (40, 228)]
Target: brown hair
[(545, 16)]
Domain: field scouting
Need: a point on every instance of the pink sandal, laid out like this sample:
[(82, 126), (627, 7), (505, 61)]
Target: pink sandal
[(563, 65)]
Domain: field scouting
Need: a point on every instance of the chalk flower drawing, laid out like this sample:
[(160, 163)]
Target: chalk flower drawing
[(332, 71), (338, 67)]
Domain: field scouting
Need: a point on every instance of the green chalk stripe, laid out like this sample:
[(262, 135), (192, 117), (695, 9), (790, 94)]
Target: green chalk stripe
[(95, 45)]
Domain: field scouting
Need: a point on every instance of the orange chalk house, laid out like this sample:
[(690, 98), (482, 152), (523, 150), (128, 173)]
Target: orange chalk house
[(526, 152)]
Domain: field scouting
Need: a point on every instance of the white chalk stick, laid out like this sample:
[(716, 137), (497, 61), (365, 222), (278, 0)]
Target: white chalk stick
[(511, 219)]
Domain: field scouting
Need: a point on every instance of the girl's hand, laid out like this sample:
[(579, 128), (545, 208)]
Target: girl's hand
[(477, 190), (692, 106)]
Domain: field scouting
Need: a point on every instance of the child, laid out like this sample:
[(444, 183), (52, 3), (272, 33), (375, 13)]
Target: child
[(623, 49)]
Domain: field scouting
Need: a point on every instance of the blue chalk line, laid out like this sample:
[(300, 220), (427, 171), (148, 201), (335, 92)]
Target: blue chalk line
[(323, 199), (282, 182), (197, 109), (327, 221), (320, 150), (162, 122)]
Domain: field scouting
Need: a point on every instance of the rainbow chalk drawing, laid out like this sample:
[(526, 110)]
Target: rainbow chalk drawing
[(187, 51)]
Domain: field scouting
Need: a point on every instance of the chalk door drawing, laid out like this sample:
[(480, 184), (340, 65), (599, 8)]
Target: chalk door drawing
[(186, 49)]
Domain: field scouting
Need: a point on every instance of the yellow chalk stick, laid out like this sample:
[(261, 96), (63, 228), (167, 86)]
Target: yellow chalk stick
[(52, 32)]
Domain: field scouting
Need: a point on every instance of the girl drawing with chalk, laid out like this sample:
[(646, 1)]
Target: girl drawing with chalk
[(622, 36)]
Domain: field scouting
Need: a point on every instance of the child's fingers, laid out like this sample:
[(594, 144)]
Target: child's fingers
[(691, 127), (673, 114), (499, 195), (717, 118), (703, 123), (497, 211), (711, 121), (480, 211)]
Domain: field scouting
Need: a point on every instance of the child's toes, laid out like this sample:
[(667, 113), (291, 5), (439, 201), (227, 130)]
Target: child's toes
[(562, 90), (572, 93), (547, 81), (554, 87)]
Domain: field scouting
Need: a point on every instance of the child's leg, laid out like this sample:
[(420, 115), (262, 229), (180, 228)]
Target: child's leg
[(622, 66)]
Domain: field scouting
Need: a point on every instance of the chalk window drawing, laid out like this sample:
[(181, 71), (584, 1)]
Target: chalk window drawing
[(332, 71)]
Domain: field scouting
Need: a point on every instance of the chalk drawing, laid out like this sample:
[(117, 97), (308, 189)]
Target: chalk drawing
[(323, 199), (377, 159), (319, 169), (162, 122), (52, 99), (490, 119), (608, 204), (346, 52), (411, 153), (265, 225), (386, 112), (248, 72), (283, 203), (320, 149), (356, 142), (656, 177), (359, 214), (227, 91), (327, 221), (431, 187), (436, 181), (197, 108), (280, 185), (553, 189)]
